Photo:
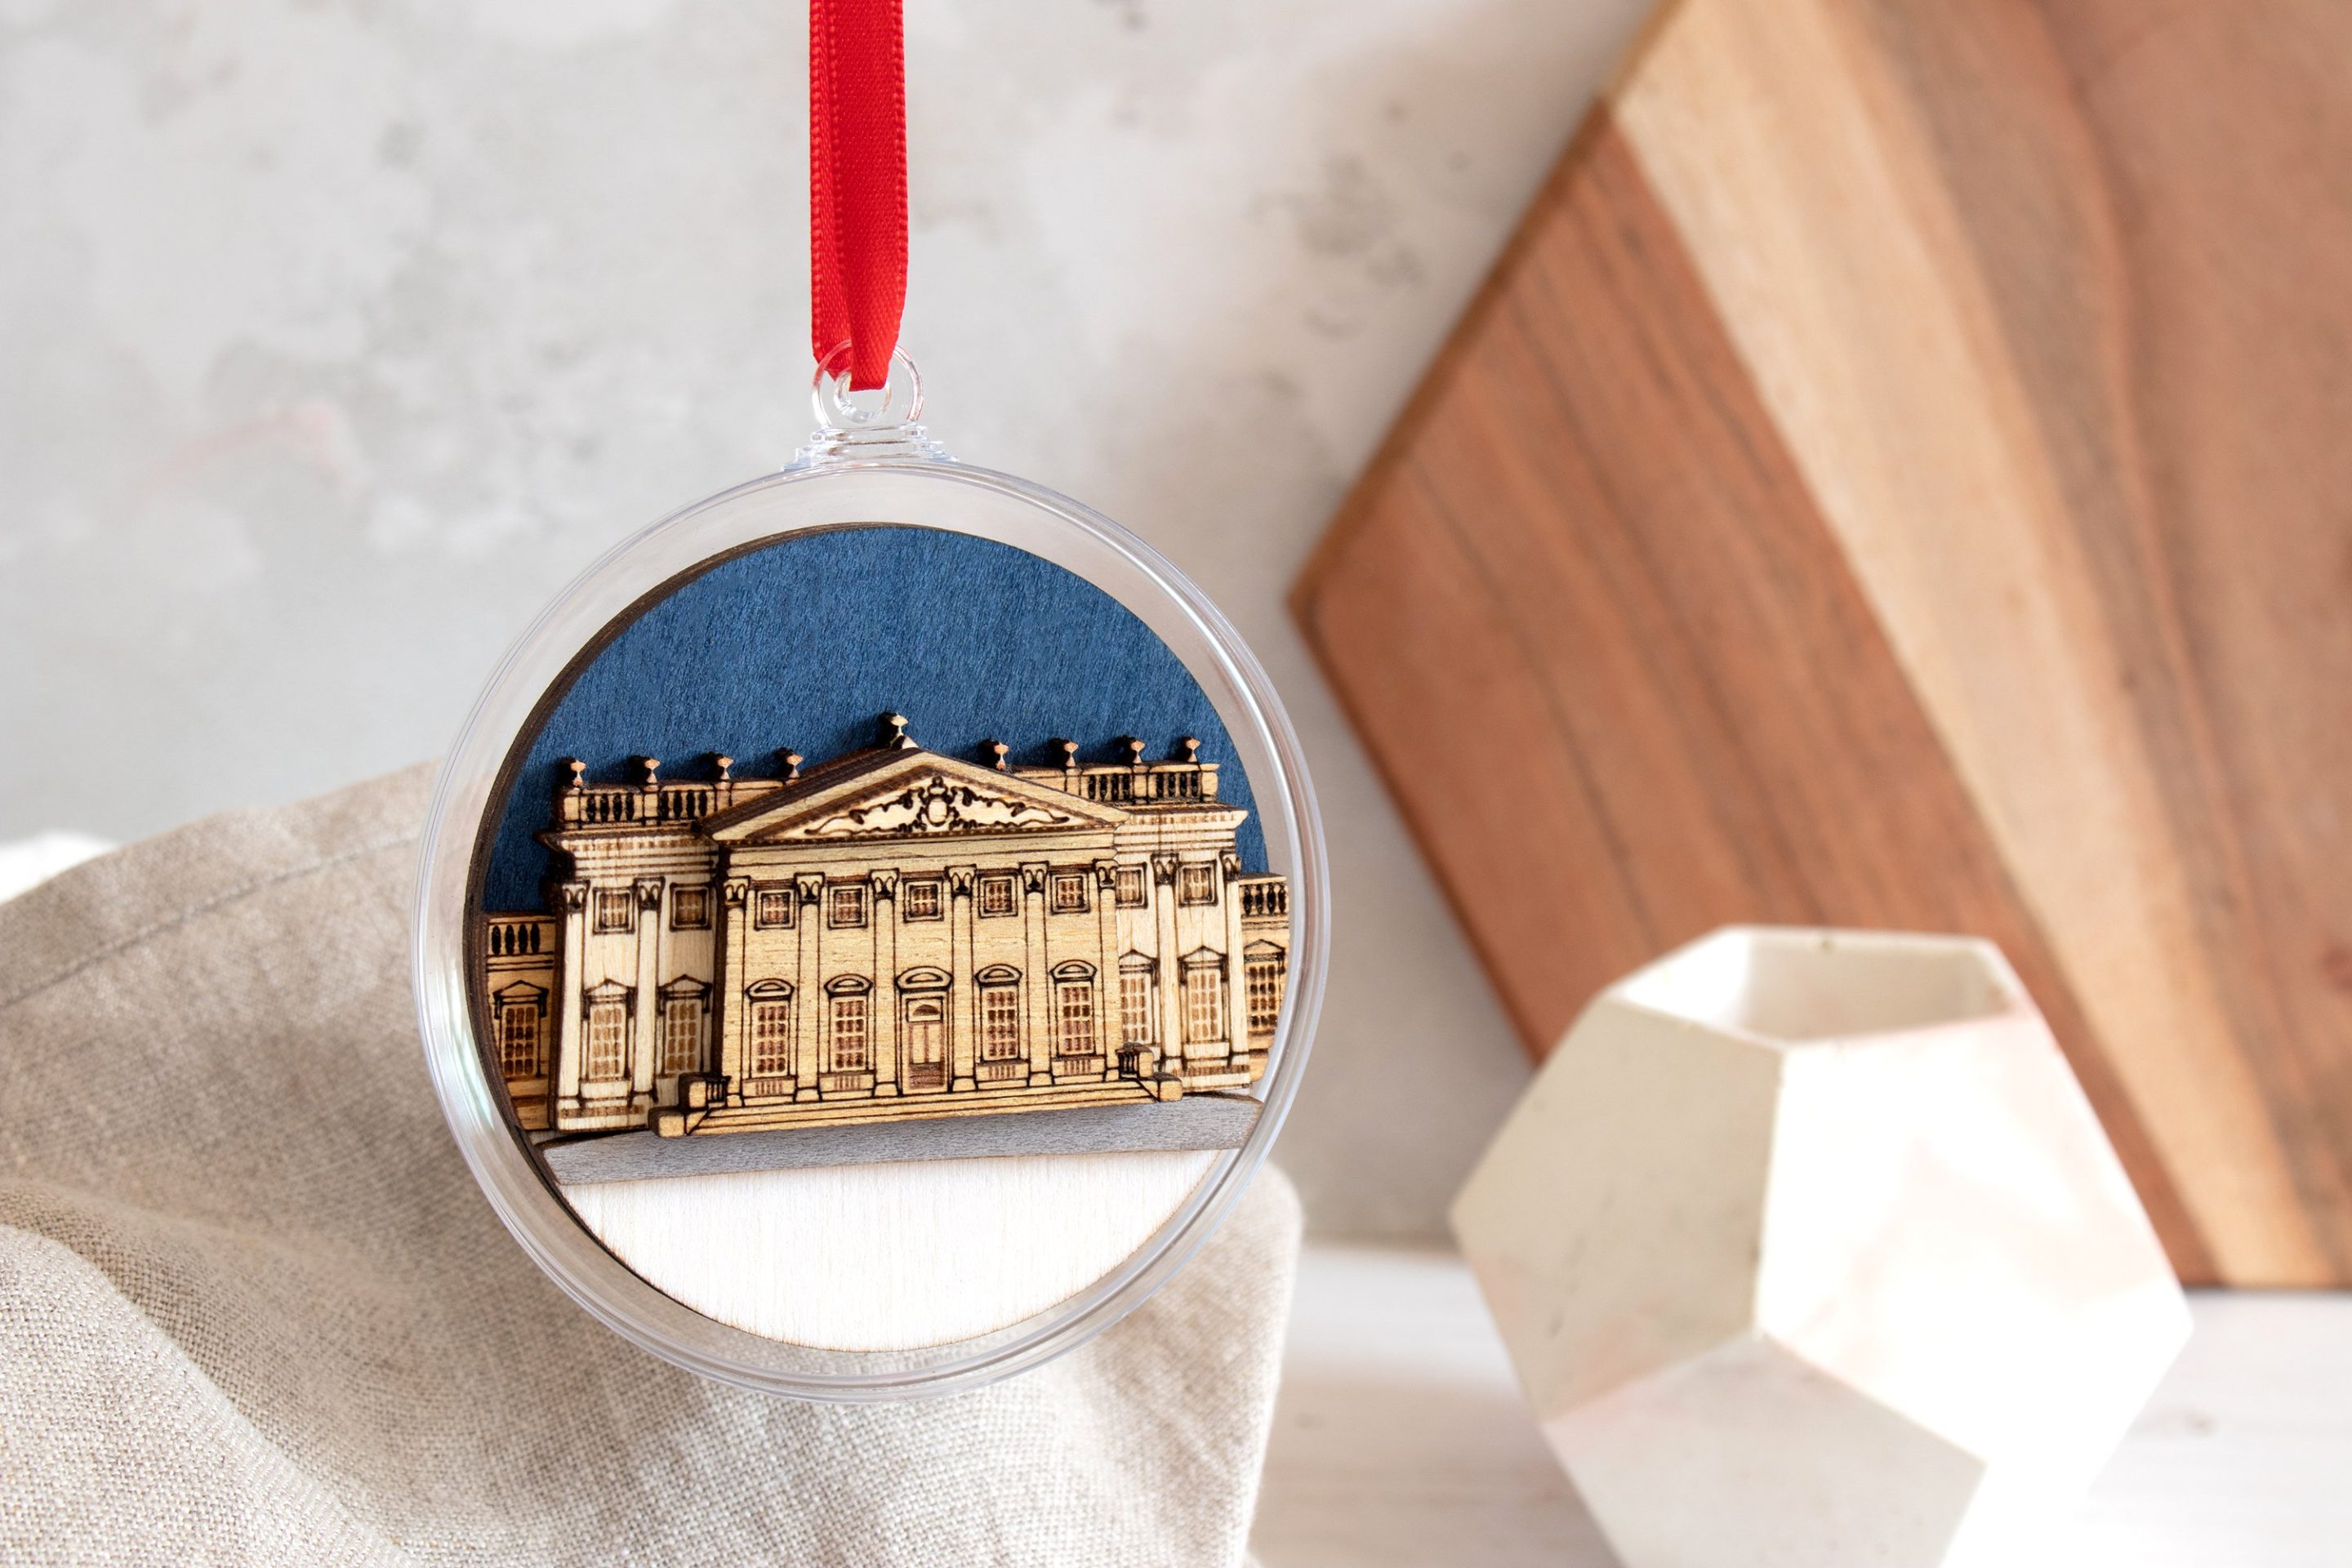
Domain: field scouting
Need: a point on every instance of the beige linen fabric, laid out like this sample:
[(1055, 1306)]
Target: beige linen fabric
[(253, 1311)]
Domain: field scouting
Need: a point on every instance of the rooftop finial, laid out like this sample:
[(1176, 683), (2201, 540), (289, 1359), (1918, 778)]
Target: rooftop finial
[(997, 751), (792, 760), (653, 767), (897, 740), (1069, 754), (1191, 746), (1134, 751), (725, 764), (579, 773)]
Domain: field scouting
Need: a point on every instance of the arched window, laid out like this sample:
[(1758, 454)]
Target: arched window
[(684, 1010), (518, 1020), (771, 1001), (1265, 968), (1204, 998), (1139, 1000), (609, 1007), (852, 1011), (1074, 1009), (999, 1013)]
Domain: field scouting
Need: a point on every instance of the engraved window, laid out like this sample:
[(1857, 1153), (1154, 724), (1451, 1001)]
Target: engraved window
[(1069, 892), (1135, 1009), (850, 1032), (608, 1038), (1074, 1010), (1133, 887), (847, 904), (616, 909), (1264, 974), (1196, 883), (771, 1037), (690, 908), (996, 895), (1205, 1000), (771, 907), (1000, 1020), (522, 1037), (681, 1034), (918, 902)]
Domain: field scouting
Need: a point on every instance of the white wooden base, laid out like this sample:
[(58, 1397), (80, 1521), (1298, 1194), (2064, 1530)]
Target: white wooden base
[(888, 1256)]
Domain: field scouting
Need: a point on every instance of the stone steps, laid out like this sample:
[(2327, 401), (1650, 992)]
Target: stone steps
[(729, 1119)]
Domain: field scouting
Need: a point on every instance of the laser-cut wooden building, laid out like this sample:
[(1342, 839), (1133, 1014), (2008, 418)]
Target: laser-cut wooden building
[(896, 932)]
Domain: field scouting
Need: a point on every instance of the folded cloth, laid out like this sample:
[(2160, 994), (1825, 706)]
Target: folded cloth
[(253, 1311)]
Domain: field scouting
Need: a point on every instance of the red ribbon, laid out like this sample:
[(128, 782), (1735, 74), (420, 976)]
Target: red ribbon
[(857, 183)]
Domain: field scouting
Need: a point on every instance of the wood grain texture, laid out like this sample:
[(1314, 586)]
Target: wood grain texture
[(875, 1257), (1893, 478)]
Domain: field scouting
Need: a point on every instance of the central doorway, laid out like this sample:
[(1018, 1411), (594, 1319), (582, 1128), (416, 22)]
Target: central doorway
[(926, 1035)]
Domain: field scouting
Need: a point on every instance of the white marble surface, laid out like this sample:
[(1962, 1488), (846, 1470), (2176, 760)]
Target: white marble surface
[(336, 335), (1400, 1439)]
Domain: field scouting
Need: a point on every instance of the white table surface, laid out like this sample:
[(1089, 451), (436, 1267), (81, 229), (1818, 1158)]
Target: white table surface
[(1399, 1437)]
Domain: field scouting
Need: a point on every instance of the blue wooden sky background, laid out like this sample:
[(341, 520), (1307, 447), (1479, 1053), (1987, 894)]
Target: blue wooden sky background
[(802, 645)]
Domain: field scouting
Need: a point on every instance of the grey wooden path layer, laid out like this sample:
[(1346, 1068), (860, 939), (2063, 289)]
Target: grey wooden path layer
[(1195, 1121)]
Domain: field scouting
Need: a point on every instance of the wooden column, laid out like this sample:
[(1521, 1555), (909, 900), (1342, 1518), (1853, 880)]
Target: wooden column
[(1109, 1003), (732, 945), (1038, 1015), (1229, 898), (882, 1013), (568, 997), (808, 982), (963, 1023), (647, 1024), (1167, 968)]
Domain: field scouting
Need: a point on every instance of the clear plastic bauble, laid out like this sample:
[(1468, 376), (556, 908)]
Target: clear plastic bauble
[(870, 463)]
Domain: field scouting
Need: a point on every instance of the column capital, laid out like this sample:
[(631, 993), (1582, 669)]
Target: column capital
[(1033, 876), (1230, 862), (1107, 875), (1163, 869), (959, 881), (575, 895), (810, 884), (737, 891), (650, 892), (885, 883)]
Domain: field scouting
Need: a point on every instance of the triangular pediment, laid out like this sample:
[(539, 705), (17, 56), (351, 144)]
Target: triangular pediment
[(908, 794)]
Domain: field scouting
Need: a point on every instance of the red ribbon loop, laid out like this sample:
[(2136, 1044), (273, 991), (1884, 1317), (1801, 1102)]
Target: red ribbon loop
[(857, 183)]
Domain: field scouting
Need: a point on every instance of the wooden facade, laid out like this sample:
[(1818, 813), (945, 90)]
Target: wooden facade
[(894, 933)]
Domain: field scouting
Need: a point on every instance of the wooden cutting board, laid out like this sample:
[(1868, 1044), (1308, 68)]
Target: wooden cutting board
[(1900, 475)]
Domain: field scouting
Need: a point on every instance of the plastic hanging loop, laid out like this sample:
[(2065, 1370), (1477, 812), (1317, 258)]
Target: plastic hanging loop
[(878, 423)]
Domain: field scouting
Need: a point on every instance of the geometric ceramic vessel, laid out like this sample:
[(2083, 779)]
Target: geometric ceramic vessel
[(1809, 1250)]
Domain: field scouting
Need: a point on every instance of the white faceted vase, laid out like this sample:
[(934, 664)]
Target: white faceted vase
[(1810, 1251)]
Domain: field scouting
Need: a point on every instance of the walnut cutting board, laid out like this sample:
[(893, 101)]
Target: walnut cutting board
[(1901, 474)]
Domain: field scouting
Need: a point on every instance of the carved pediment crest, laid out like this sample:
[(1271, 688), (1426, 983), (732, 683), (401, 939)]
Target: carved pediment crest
[(938, 804), (907, 795)]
